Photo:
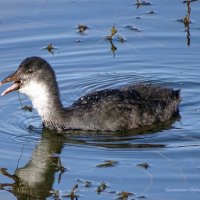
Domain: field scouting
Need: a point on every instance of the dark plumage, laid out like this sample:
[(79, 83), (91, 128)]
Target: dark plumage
[(128, 108)]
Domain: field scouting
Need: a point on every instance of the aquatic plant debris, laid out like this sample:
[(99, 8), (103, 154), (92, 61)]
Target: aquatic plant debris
[(121, 39), (108, 163), (186, 1), (142, 3), (86, 183), (62, 171), (113, 32), (132, 28), (56, 194), (102, 186), (141, 197), (186, 20), (60, 168), (72, 194), (151, 12), (124, 195), (27, 108), (82, 28), (113, 48), (144, 165), (113, 36), (50, 48)]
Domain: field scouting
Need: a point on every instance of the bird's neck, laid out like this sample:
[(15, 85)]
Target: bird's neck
[(48, 107), (46, 100)]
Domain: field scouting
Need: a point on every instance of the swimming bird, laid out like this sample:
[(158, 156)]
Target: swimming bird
[(126, 108)]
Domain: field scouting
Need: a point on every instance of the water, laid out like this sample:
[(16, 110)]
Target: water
[(158, 49)]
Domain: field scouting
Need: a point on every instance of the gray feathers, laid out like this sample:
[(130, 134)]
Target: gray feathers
[(128, 108), (124, 109)]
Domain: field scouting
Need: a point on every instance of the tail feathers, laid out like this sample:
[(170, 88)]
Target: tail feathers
[(177, 95)]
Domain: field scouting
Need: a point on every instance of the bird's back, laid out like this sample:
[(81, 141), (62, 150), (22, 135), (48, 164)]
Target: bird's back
[(127, 108)]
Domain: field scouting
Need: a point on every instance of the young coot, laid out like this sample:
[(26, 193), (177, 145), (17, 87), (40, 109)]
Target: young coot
[(127, 108)]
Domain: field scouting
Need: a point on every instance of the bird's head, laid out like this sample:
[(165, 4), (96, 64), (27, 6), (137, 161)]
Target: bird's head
[(32, 74)]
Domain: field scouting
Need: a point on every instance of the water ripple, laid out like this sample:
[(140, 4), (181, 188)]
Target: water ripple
[(22, 127)]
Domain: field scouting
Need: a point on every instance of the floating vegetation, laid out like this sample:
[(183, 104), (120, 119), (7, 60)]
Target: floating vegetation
[(124, 195), (151, 12), (59, 167), (30, 127), (113, 32), (113, 48), (27, 108), (142, 3), (138, 17), (82, 28), (101, 187), (190, 1), (144, 165), (50, 48), (110, 38), (86, 183), (4, 172), (113, 36), (72, 194), (132, 28), (141, 197), (55, 194), (121, 39), (108, 163), (186, 20)]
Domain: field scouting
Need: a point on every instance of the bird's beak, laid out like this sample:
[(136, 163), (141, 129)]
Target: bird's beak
[(16, 83)]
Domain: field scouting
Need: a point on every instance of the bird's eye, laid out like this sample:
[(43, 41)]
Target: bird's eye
[(29, 71)]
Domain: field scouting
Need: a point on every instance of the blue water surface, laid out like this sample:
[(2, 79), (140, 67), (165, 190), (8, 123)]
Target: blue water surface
[(157, 48)]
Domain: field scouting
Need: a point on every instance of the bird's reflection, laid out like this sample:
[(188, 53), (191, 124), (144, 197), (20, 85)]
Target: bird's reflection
[(35, 180)]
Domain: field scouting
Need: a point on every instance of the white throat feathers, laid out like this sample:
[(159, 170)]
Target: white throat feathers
[(40, 97)]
